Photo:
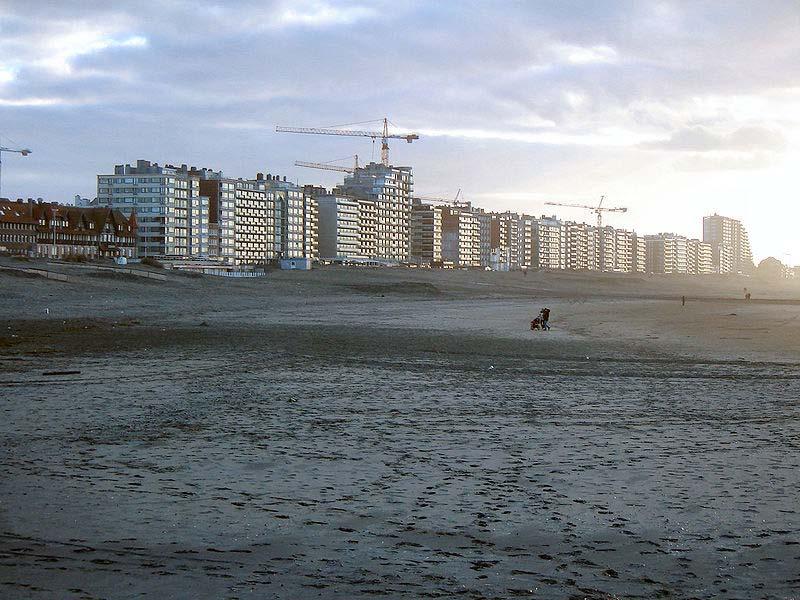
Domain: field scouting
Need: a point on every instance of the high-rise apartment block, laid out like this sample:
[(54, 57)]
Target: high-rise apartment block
[(339, 227), (461, 236), (171, 213), (638, 254), (426, 233), (549, 244), (729, 243), (670, 253), (184, 212), (390, 189)]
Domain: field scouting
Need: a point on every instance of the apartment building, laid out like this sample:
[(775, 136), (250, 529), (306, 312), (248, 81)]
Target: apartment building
[(296, 233), (526, 226), (242, 217), (730, 245), (576, 246), (368, 228), (667, 253), (461, 236), (499, 240), (699, 257), (426, 233), (339, 233), (171, 213), (390, 190), (607, 240), (624, 241), (638, 254), (549, 243)]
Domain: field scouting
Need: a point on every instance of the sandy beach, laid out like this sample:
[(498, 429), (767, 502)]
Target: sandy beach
[(351, 433)]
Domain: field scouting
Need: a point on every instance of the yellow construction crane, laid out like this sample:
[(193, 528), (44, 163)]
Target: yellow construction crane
[(327, 166), (598, 210), (384, 135)]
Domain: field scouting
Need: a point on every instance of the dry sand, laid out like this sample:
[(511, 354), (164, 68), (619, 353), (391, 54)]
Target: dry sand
[(364, 432)]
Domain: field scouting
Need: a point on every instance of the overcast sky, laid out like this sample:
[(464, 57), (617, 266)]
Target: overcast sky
[(673, 109)]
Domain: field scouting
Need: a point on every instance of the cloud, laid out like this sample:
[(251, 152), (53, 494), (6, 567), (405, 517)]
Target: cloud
[(585, 55), (608, 136), (320, 14), (61, 50), (725, 161), (703, 139), (32, 102), (7, 75)]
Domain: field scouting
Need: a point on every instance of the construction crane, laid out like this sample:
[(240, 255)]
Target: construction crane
[(23, 151), (439, 200), (327, 166), (384, 135), (598, 210)]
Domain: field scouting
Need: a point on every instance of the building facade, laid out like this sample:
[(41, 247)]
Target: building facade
[(461, 236), (60, 230), (730, 245), (339, 233), (171, 213), (426, 233), (549, 244), (390, 190)]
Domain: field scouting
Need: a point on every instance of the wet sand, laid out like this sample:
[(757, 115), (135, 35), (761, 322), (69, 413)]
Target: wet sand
[(357, 433)]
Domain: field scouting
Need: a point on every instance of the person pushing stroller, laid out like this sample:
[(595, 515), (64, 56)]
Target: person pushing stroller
[(540, 322)]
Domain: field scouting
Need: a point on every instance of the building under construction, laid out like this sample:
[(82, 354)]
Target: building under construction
[(389, 190)]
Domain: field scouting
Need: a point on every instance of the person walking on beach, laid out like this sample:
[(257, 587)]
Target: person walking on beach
[(683, 300), (545, 319)]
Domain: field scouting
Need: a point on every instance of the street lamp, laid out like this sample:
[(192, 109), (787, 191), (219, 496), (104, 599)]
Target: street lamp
[(23, 151)]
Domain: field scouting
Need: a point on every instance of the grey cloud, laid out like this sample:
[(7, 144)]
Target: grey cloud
[(702, 139)]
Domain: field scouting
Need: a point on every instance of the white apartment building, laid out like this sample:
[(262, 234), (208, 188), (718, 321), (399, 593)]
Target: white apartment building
[(667, 253), (499, 240), (261, 220), (339, 218), (390, 189), (730, 245), (461, 236), (368, 228), (243, 214), (549, 244), (576, 246), (171, 212), (638, 254), (526, 226), (700, 257), (607, 241), (624, 241)]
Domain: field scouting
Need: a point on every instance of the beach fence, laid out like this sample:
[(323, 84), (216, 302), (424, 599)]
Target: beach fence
[(135, 272), (40, 272)]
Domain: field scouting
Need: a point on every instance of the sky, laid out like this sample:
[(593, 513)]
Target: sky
[(674, 110)]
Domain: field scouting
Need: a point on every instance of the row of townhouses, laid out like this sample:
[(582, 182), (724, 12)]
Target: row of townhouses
[(180, 212), (58, 230)]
